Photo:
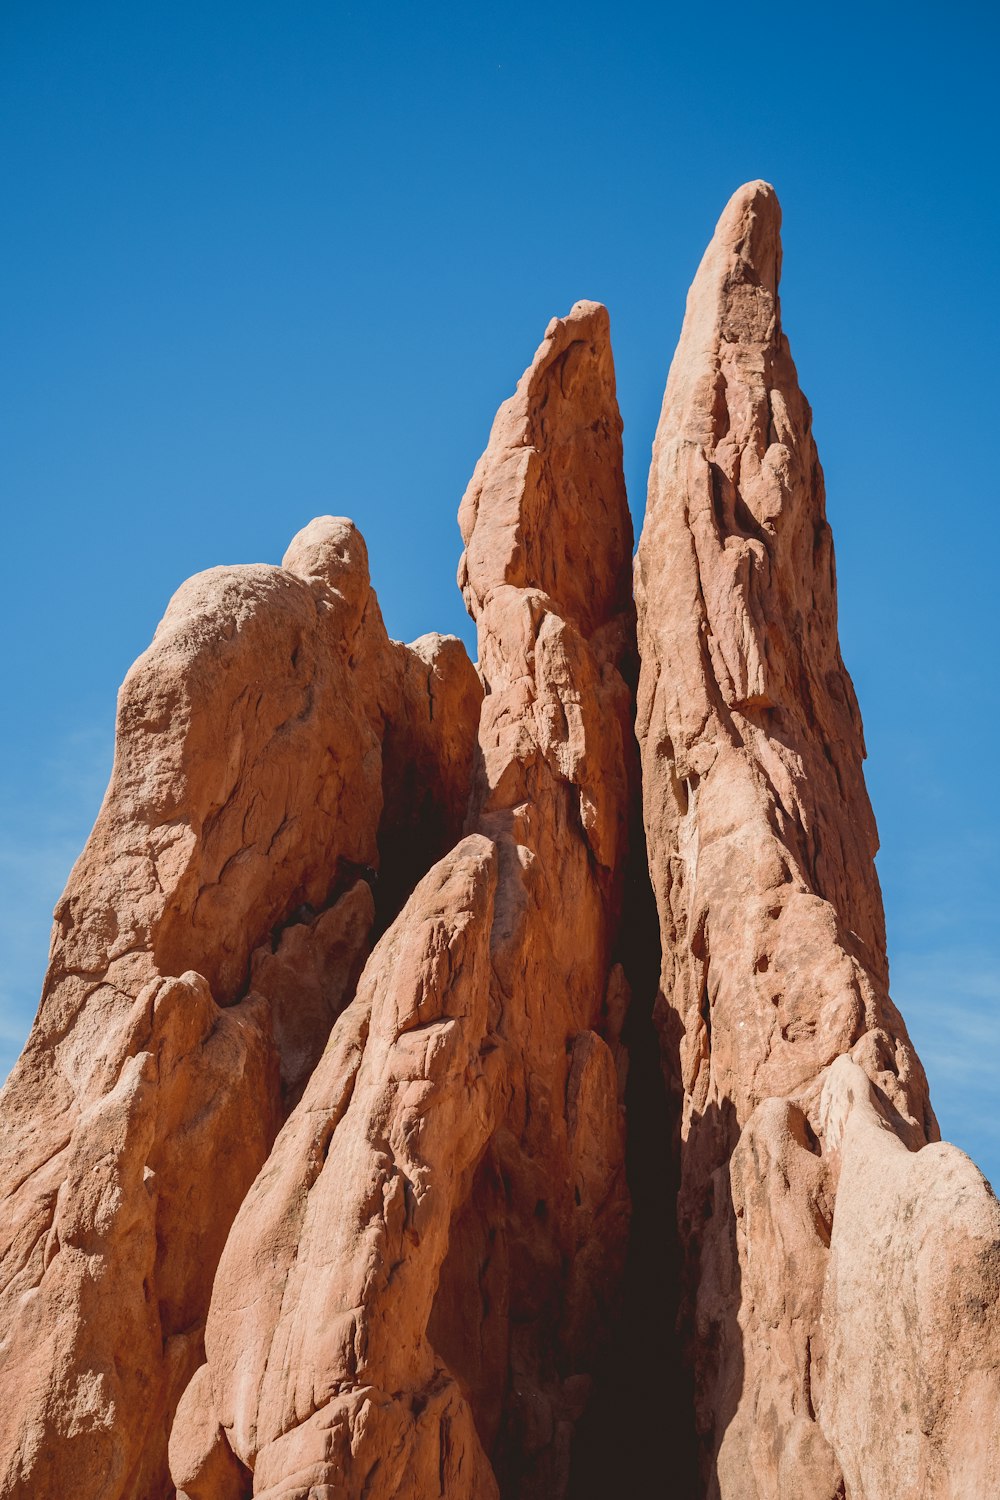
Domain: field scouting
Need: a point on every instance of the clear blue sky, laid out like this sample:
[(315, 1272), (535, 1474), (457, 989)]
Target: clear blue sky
[(263, 261)]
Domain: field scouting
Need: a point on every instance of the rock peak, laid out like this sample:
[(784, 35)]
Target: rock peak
[(749, 226), (546, 507), (584, 319), (734, 295)]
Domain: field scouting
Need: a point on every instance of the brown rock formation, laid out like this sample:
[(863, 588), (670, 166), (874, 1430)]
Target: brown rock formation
[(552, 602), (246, 794), (414, 1289), (319, 1364), (761, 844), (312, 1173), (911, 1305)]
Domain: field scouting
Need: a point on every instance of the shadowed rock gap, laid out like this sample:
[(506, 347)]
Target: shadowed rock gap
[(640, 1418)]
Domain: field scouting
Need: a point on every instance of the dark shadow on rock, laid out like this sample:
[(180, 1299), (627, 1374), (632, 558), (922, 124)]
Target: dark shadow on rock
[(636, 1437), (710, 1330)]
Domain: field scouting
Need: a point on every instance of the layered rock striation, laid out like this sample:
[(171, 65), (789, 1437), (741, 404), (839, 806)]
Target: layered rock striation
[(313, 1173)]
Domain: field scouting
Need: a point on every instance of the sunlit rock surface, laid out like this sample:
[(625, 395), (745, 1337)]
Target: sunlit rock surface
[(315, 1171)]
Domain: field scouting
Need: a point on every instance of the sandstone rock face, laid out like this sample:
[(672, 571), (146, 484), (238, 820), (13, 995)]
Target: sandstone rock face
[(556, 630), (912, 1305), (419, 1279), (774, 981), (246, 794), (313, 1173), (319, 1364), (108, 1246)]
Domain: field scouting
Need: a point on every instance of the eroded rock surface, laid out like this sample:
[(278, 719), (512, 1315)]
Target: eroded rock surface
[(420, 1279), (551, 599), (761, 845), (312, 1173), (911, 1305), (246, 796)]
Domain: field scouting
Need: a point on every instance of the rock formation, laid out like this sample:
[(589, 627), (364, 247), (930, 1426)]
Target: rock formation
[(313, 1170), (802, 1101), (417, 1282), (245, 799)]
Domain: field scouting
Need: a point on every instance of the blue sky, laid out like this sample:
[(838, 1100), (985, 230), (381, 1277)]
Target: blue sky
[(263, 261)]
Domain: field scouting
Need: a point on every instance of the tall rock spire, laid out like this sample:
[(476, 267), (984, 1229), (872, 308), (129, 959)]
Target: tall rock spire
[(285, 1214), (775, 1016), (419, 1282)]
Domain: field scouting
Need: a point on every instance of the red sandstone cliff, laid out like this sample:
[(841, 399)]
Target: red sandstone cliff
[(313, 1170)]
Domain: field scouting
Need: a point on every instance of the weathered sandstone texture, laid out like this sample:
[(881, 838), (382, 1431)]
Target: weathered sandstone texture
[(317, 1172), (841, 1282), (421, 1276), (246, 796)]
